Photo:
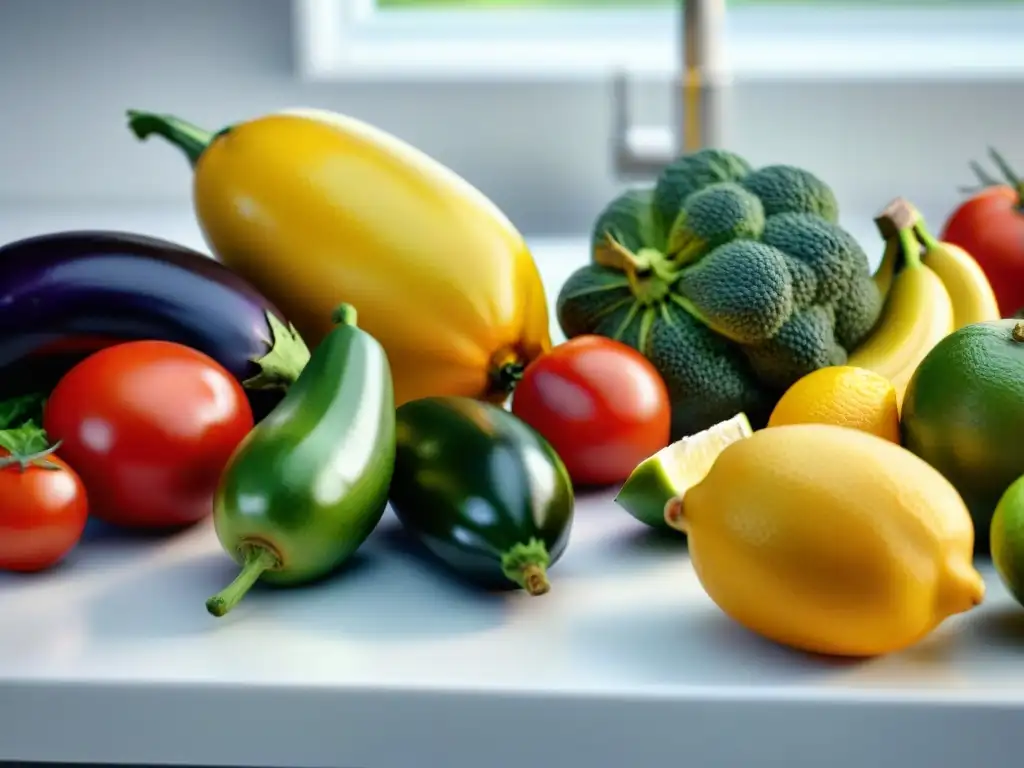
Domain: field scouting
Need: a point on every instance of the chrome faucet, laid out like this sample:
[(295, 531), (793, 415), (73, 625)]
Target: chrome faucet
[(699, 107)]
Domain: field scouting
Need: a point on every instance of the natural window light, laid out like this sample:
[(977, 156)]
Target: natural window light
[(556, 39)]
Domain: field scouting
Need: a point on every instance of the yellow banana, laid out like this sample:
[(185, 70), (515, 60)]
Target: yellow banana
[(886, 271), (969, 288), (917, 315)]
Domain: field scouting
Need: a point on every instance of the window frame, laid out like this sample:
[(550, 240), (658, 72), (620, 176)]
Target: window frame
[(342, 40)]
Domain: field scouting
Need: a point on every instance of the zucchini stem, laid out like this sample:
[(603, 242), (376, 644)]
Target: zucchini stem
[(526, 565), (345, 314), (257, 558), (189, 138)]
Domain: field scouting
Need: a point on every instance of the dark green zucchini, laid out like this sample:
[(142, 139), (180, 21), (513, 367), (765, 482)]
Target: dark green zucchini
[(482, 491)]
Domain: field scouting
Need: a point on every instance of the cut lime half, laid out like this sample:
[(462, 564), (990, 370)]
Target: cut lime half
[(675, 468)]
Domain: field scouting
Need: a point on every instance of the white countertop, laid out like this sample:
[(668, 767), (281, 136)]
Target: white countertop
[(112, 658)]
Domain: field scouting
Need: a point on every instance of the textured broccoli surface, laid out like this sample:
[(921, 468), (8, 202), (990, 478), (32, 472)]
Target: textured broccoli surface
[(787, 189), (741, 289), (733, 282), (706, 376), (691, 173), (857, 312), (712, 216), (832, 252), (805, 282), (805, 343)]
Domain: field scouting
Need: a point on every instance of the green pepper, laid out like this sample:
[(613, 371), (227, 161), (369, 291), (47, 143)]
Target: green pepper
[(309, 484), (482, 491)]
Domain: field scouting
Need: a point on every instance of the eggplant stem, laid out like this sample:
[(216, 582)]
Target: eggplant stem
[(286, 357), (257, 559)]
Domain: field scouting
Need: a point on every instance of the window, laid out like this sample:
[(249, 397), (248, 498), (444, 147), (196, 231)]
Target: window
[(881, 97), (559, 39)]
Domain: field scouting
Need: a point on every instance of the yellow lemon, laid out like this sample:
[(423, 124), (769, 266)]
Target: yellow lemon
[(830, 540), (844, 396)]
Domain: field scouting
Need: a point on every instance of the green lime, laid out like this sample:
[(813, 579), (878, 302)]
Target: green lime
[(673, 469), (963, 413), (1008, 539)]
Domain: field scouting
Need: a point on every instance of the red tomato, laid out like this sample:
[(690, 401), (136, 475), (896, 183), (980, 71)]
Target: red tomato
[(990, 227), (43, 510), (601, 404), (149, 426)]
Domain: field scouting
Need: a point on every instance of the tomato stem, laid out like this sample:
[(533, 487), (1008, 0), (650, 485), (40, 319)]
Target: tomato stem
[(40, 459), (257, 558), (1010, 177)]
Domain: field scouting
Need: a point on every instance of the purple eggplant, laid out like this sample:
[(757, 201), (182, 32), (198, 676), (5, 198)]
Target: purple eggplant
[(65, 295)]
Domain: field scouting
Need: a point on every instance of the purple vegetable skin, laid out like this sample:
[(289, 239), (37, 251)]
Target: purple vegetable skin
[(65, 295)]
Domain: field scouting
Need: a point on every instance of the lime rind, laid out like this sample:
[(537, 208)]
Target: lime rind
[(1007, 539), (676, 468)]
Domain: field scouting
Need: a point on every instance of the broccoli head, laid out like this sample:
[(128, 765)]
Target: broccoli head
[(714, 215), (787, 189), (833, 253), (805, 343), (741, 289), (857, 311), (627, 222), (706, 376), (805, 282), (733, 282), (691, 173)]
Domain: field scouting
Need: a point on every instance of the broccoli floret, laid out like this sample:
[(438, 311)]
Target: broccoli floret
[(741, 289), (833, 254), (691, 173), (857, 311), (805, 343), (706, 376), (590, 293), (805, 282), (787, 189), (629, 221), (712, 216)]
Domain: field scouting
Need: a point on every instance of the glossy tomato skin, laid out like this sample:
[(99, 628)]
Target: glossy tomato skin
[(149, 426), (601, 404), (990, 227), (43, 511)]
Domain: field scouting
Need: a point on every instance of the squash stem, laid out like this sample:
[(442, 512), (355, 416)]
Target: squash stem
[(257, 558), (526, 565), (190, 139)]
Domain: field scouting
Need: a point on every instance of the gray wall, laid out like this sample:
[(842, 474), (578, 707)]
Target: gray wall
[(70, 68)]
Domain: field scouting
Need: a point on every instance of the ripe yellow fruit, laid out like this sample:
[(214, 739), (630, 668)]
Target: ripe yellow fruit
[(842, 395), (830, 540)]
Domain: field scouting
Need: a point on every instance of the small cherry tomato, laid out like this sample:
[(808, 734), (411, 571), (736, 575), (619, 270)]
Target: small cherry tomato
[(149, 426), (43, 511), (601, 404)]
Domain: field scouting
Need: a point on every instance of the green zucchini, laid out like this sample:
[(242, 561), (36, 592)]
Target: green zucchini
[(482, 491), (309, 484)]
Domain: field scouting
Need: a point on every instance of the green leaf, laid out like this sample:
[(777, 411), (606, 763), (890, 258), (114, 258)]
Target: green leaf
[(19, 410), (27, 439)]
